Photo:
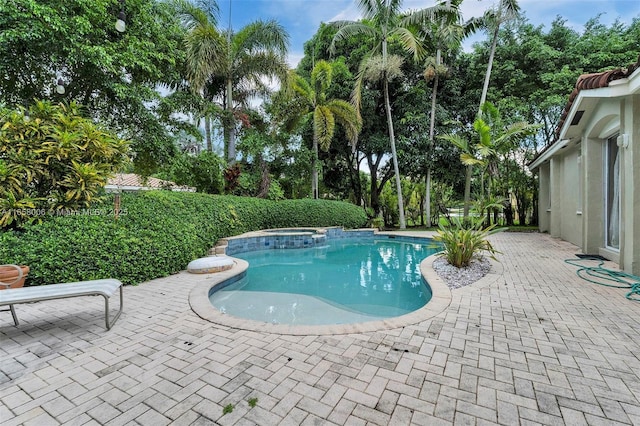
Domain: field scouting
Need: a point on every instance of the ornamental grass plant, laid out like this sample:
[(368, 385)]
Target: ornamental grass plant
[(464, 241)]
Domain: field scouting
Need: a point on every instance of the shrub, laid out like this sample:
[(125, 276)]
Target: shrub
[(52, 158), (157, 233), (308, 212), (202, 171), (462, 242)]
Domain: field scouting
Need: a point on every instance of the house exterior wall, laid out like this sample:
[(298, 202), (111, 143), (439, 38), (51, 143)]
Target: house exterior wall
[(630, 257), (555, 194), (563, 216), (593, 184), (573, 174), (617, 116), (603, 124), (544, 197)]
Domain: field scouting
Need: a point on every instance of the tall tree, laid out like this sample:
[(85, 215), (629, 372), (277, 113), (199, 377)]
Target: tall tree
[(255, 53), (113, 75), (504, 11), (205, 49), (490, 141), (324, 113), (383, 21), (444, 33), (500, 13), (231, 66)]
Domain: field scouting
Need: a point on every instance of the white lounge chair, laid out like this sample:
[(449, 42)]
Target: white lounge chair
[(105, 288)]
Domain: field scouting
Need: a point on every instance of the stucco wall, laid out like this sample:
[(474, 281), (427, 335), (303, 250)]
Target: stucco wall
[(544, 210), (570, 211), (612, 117), (573, 172), (630, 259), (562, 181)]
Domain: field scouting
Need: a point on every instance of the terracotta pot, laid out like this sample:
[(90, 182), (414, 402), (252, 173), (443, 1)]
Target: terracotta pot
[(9, 275)]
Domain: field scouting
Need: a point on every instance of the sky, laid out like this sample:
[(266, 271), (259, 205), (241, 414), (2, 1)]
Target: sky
[(301, 18)]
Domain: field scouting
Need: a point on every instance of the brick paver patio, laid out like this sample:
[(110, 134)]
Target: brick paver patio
[(536, 346)]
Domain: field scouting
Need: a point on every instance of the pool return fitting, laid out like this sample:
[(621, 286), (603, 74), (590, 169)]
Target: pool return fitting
[(607, 277)]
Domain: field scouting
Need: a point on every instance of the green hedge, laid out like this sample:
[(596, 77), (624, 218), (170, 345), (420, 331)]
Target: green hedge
[(160, 234)]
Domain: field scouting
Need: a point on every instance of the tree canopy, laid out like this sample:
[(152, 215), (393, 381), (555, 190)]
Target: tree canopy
[(114, 76), (174, 70)]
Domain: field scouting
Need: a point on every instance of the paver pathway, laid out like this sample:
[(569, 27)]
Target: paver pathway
[(537, 346)]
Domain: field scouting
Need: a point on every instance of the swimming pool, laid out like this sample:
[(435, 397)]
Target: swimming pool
[(344, 281)]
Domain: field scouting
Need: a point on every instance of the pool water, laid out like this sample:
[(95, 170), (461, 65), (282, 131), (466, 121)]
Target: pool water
[(344, 281)]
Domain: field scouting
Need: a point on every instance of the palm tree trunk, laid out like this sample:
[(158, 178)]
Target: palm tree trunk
[(207, 133), (483, 98), (231, 125), (432, 126), (392, 140), (427, 196), (314, 171), (487, 75), (467, 194), (392, 136)]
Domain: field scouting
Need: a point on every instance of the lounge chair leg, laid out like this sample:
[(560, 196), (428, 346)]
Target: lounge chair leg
[(106, 311), (13, 313)]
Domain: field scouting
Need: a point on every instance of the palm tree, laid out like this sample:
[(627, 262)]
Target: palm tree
[(204, 47), (443, 33), (493, 140), (231, 65), (324, 112), (255, 53), (504, 11), (493, 18), (383, 21)]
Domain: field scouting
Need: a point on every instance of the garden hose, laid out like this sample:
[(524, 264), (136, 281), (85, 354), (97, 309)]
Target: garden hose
[(607, 277)]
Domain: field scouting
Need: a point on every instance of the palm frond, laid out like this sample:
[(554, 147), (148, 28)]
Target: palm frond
[(469, 160), (484, 132), (192, 16), (409, 41), (205, 48), (323, 126), (430, 14), (510, 7), (260, 36), (303, 89), (346, 115), (515, 132), (348, 29), (457, 141), (473, 25), (370, 8), (321, 76)]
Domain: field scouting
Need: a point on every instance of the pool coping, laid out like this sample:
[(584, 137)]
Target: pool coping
[(440, 300)]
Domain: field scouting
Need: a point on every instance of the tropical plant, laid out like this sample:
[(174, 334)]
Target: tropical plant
[(443, 33), (493, 18), (52, 158), (465, 240), (114, 76), (323, 113), (202, 171), (489, 204), (204, 50), (382, 21), (504, 11), (232, 66), (493, 139), (252, 56)]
